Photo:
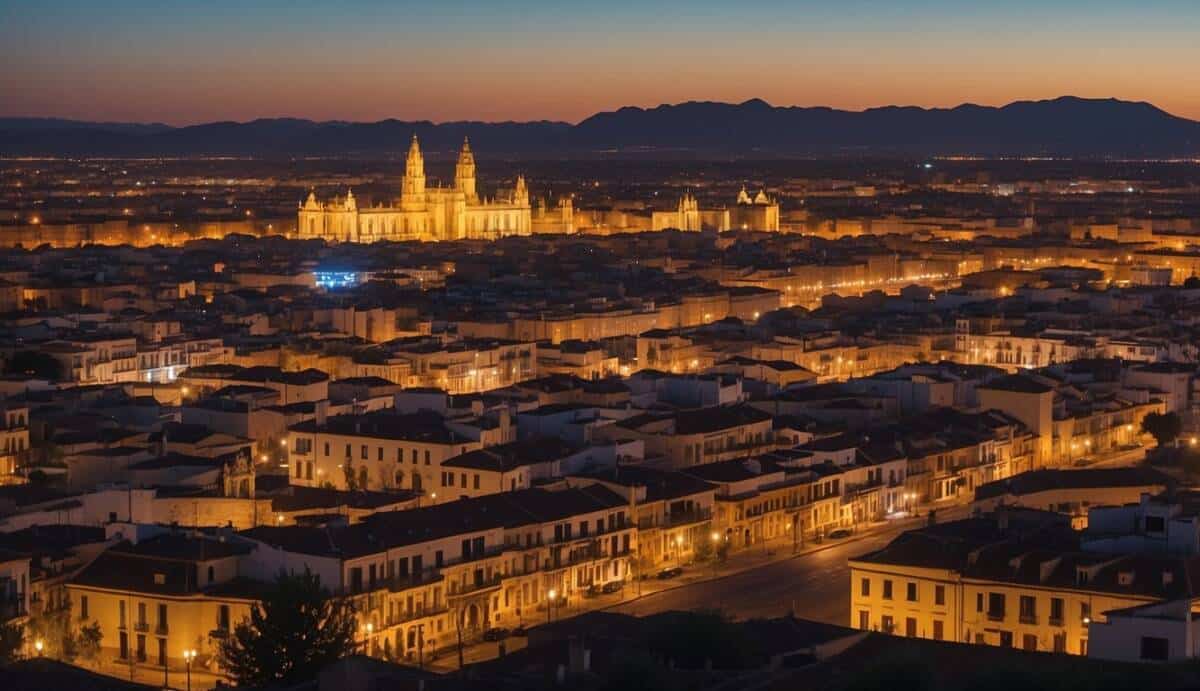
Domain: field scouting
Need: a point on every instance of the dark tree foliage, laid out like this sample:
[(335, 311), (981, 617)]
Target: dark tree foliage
[(35, 364), (1164, 427), (12, 636), (297, 629), (692, 641)]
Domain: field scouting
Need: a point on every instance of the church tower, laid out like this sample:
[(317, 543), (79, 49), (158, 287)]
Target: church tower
[(412, 189), (521, 192), (464, 173)]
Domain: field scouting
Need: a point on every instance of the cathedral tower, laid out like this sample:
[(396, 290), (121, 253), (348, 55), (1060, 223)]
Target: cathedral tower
[(412, 189), (464, 173)]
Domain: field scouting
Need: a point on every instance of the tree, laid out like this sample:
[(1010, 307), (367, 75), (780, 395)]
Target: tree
[(12, 638), (88, 641), (295, 631), (52, 626), (1192, 282), (34, 363), (1164, 427)]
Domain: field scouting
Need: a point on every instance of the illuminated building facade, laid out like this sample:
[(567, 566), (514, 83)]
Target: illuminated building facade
[(422, 212)]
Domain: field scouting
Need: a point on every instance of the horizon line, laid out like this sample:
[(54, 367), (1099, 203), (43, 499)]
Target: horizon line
[(429, 122)]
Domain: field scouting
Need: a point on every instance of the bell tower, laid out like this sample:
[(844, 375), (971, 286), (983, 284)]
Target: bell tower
[(464, 173), (412, 189)]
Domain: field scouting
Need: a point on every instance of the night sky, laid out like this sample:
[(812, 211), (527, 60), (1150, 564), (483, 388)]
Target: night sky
[(190, 61)]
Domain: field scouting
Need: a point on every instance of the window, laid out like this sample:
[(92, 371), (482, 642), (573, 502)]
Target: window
[(1060, 642), (121, 614), (1006, 639), (995, 608), (978, 602), (911, 594), (865, 588), (162, 618), (939, 595), (1056, 611), (212, 574), (162, 652), (83, 607), (1029, 642), (864, 619), (141, 648), (910, 627), (356, 579), (124, 643), (886, 624), (939, 632), (887, 590), (476, 480), (1085, 612), (1028, 606), (223, 618)]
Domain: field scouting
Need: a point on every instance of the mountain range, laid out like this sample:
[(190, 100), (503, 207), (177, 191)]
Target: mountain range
[(1066, 126)]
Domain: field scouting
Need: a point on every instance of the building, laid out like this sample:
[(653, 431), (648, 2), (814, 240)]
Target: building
[(758, 213), (422, 212), (421, 578), (1015, 579)]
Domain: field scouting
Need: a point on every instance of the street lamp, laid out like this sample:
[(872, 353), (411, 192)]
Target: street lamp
[(188, 656), (38, 645), (551, 596), (368, 630), (716, 538)]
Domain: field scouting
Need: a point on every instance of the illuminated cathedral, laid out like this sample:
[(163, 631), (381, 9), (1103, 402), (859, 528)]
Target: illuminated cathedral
[(422, 212)]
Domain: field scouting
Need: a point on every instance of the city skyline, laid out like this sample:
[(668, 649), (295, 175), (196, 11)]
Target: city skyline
[(183, 64)]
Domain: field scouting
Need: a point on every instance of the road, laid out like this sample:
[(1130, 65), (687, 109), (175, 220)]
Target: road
[(814, 585)]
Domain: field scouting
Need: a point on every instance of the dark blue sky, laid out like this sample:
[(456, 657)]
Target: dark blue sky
[(190, 61)]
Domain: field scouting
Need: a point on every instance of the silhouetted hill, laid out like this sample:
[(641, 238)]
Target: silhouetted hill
[(1065, 126)]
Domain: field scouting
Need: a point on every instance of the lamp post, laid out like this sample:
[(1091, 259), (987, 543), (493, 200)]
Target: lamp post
[(550, 597), (188, 656), (368, 629), (716, 540), (38, 645)]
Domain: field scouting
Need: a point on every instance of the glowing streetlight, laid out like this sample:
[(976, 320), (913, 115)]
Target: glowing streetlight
[(188, 656), (38, 645), (550, 598)]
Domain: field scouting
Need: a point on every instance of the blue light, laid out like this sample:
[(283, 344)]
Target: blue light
[(335, 280)]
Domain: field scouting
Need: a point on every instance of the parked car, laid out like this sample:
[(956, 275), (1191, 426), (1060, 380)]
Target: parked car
[(613, 587), (670, 572), (838, 534), (519, 632), (496, 634)]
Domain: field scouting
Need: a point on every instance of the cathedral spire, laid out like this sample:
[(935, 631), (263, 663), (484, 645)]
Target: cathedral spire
[(412, 189), (464, 172)]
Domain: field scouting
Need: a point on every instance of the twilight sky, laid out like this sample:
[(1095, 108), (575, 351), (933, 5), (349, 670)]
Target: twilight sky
[(188, 61)]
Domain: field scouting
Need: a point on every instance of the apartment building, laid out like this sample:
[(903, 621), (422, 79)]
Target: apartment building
[(159, 596), (383, 450), (420, 578), (1012, 579)]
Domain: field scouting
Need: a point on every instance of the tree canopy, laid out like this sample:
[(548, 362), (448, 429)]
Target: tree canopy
[(297, 629)]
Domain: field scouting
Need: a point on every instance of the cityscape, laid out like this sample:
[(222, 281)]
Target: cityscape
[(688, 389)]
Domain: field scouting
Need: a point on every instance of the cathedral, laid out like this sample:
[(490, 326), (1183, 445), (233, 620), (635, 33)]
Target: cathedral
[(749, 213), (422, 212)]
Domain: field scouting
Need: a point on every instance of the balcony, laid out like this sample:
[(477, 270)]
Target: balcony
[(142, 627), (995, 615), (1055, 621), (1029, 619), (476, 586)]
